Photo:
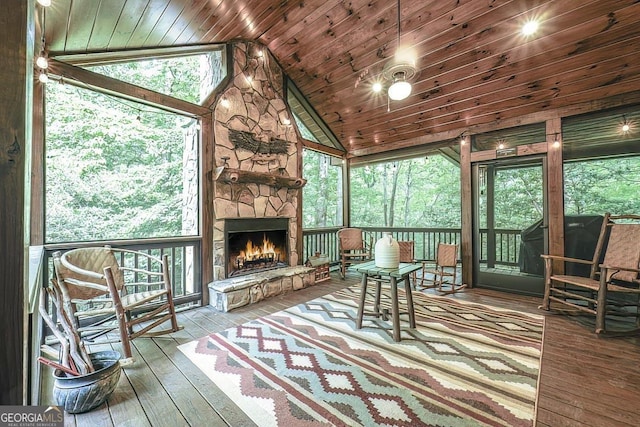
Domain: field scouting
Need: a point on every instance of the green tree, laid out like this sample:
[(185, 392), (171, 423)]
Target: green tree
[(113, 168)]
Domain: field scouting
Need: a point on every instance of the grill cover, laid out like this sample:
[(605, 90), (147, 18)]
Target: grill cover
[(581, 236)]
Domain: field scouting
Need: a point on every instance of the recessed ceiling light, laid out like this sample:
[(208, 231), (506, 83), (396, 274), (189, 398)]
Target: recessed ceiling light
[(377, 87), (45, 3), (530, 28)]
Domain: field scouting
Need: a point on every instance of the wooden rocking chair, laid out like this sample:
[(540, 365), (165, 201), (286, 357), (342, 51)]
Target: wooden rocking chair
[(445, 270), (614, 270), (407, 254), (101, 295), (352, 248)]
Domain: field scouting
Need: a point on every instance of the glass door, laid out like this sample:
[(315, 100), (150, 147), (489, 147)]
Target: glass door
[(510, 224)]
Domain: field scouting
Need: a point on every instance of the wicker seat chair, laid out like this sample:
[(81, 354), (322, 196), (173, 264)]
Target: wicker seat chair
[(444, 272), (407, 254), (101, 295), (613, 285), (352, 248)]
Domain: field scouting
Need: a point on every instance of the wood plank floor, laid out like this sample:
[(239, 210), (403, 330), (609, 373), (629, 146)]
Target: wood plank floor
[(585, 380)]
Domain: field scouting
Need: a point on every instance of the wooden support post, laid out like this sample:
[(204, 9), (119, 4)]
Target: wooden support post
[(555, 192), (17, 32), (466, 214)]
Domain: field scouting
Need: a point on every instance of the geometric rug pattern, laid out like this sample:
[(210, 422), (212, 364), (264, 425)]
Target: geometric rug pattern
[(464, 365)]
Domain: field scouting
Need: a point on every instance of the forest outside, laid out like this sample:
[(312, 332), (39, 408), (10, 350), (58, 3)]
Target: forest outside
[(115, 170)]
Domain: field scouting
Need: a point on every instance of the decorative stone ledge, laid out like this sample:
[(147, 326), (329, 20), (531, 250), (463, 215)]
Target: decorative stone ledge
[(234, 292)]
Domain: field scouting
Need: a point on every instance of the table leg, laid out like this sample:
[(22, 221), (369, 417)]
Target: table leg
[(395, 315), (363, 295), (376, 306), (412, 314)]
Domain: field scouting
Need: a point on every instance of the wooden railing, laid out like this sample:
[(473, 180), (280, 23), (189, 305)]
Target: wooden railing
[(506, 242), (507, 247), (184, 262)]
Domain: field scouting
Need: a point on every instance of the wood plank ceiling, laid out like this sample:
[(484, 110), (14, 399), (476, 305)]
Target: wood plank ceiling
[(475, 67)]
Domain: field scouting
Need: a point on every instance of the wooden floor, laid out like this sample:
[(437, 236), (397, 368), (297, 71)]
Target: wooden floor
[(585, 380)]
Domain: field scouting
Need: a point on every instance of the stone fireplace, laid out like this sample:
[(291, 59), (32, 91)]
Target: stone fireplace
[(257, 184), (258, 154)]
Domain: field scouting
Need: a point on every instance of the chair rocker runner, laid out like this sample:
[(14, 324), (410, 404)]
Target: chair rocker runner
[(101, 295), (445, 270), (351, 248), (613, 285)]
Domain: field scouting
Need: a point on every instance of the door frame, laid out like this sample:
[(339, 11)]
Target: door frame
[(516, 283), (554, 189)]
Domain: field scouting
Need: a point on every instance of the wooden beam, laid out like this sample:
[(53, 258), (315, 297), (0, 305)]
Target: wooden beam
[(105, 84), (37, 167), (596, 104), (207, 214), (466, 215), (17, 32), (555, 190), (322, 148), (239, 176)]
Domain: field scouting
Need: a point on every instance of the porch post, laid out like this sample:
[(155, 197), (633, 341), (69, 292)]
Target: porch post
[(466, 214), (555, 191), (17, 32)]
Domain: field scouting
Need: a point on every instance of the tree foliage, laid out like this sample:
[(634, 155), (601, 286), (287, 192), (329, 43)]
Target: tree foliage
[(407, 193), (113, 168), (322, 196)]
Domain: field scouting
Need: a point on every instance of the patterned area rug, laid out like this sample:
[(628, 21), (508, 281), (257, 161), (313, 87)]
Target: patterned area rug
[(464, 365)]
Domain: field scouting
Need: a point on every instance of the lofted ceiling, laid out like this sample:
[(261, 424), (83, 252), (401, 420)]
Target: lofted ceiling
[(475, 69)]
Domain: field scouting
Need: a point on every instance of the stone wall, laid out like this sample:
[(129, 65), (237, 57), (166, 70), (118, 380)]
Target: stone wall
[(253, 131)]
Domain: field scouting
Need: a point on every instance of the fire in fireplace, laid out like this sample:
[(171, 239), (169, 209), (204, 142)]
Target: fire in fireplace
[(256, 244)]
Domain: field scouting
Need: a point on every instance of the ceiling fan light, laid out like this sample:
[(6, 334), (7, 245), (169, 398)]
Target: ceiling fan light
[(399, 90)]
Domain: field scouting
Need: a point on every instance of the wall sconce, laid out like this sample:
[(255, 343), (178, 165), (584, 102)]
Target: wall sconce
[(556, 141), (463, 139), (626, 127), (43, 77)]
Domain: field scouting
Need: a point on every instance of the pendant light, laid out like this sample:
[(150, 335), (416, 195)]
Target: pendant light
[(400, 70)]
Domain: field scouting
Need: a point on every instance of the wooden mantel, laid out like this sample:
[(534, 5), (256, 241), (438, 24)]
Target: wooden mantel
[(238, 176)]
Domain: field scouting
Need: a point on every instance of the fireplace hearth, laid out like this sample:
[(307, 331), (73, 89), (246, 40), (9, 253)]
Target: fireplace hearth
[(256, 244)]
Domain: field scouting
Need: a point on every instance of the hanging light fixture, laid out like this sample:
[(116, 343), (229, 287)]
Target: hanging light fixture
[(401, 88), (400, 71)]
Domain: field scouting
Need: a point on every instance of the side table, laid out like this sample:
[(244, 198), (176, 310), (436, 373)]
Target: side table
[(402, 273)]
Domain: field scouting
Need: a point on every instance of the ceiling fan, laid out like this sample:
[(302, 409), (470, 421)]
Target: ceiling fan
[(396, 74)]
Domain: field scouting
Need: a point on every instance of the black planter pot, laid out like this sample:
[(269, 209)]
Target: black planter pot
[(82, 393)]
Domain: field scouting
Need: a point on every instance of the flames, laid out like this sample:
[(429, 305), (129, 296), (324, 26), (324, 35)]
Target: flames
[(267, 249)]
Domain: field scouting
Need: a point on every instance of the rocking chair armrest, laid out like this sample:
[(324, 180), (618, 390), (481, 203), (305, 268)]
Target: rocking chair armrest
[(614, 267), (81, 271), (83, 283), (566, 259)]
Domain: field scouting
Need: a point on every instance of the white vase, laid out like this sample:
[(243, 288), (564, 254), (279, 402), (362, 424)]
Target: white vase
[(387, 252)]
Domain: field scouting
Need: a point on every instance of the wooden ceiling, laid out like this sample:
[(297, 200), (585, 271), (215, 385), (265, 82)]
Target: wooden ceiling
[(476, 70)]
